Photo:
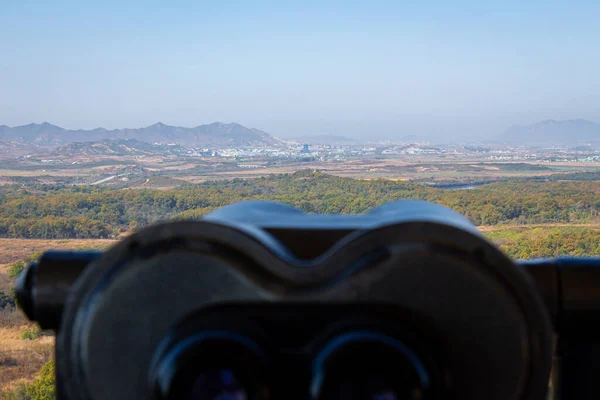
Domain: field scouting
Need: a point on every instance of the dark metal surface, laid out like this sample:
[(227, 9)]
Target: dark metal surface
[(571, 289), (417, 255), (544, 274), (43, 287)]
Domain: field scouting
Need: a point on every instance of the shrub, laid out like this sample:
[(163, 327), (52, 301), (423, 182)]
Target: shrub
[(31, 334), (42, 388), (17, 267), (7, 301)]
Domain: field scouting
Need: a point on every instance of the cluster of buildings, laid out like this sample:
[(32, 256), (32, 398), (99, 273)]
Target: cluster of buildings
[(313, 151), (306, 150), (552, 154)]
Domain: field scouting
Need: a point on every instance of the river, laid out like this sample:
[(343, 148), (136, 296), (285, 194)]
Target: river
[(469, 186)]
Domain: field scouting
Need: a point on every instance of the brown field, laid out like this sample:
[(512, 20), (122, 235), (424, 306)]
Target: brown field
[(38, 172), (396, 169), (20, 359), (12, 250), (424, 168)]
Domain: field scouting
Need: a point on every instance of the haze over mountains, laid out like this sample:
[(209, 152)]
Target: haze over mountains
[(568, 132), (328, 140), (217, 133), (549, 132)]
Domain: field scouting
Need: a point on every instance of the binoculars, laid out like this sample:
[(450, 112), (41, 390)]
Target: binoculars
[(258, 301)]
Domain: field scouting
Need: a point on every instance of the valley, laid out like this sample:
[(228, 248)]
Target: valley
[(163, 156)]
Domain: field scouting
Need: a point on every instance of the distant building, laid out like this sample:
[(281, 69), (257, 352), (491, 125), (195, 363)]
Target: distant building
[(305, 149), (249, 166)]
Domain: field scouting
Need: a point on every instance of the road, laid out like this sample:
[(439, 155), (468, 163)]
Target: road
[(107, 179)]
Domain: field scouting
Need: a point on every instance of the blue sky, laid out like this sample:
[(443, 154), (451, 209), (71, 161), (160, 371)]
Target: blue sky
[(377, 69)]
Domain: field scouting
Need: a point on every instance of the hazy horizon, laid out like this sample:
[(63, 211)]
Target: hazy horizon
[(382, 70), (439, 139)]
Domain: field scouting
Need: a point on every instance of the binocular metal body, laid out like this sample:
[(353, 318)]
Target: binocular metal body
[(259, 300)]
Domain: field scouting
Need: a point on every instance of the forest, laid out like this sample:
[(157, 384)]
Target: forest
[(44, 211), (537, 242)]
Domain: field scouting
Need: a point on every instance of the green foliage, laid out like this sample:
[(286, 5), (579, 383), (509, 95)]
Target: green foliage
[(548, 242), (41, 388), (80, 212), (15, 269), (31, 334), (574, 176)]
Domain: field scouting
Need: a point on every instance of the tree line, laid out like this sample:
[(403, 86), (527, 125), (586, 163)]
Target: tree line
[(522, 243), (84, 212)]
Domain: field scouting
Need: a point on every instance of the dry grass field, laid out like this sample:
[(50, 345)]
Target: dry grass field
[(396, 169), (423, 168), (12, 250), (21, 359)]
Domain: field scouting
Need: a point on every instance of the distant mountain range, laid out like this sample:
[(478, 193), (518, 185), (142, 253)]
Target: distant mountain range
[(215, 134), (569, 132), (21, 139)]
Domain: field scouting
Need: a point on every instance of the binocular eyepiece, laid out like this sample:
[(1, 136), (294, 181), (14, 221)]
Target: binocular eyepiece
[(260, 301), (242, 356)]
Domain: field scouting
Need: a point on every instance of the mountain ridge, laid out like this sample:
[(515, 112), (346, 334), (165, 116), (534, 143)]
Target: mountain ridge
[(114, 147), (551, 131), (213, 134)]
